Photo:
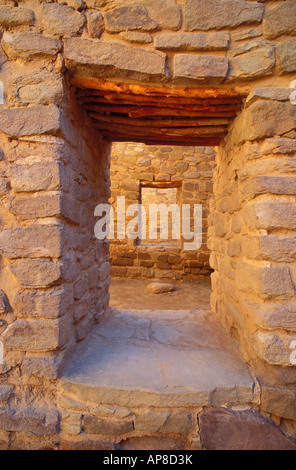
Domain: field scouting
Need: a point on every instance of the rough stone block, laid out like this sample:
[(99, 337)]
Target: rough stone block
[(109, 426), (37, 335), (114, 60), (280, 19), (37, 421), (286, 56), (61, 20), (151, 421), (167, 13), (95, 24), (192, 42), (270, 247), (29, 45), (48, 205), (44, 367), (266, 119), (200, 68), (104, 271), (268, 93), (270, 215), (38, 88), (271, 315), (129, 17), (278, 145), (35, 241), (12, 16), (37, 177), (280, 185), (246, 34), (222, 429), (39, 206), (36, 273), (52, 303), (264, 281), (35, 120), (164, 422), (81, 287), (217, 14), (279, 401), (252, 59), (136, 37), (274, 348), (95, 4)]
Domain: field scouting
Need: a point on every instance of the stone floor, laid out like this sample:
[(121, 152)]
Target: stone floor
[(160, 373), (133, 293), (159, 358), (146, 372)]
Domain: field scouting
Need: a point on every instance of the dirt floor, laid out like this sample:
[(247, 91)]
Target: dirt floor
[(133, 294)]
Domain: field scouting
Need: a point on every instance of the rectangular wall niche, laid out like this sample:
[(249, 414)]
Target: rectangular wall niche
[(152, 198)]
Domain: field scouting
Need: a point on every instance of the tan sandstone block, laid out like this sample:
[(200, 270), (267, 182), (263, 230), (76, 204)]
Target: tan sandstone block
[(113, 59), (274, 348), (200, 68), (35, 241), (29, 45), (37, 177), (51, 303), (12, 16), (266, 119), (35, 120), (270, 247), (269, 215), (61, 20), (280, 20), (279, 401), (214, 14), (264, 281), (37, 335), (93, 425), (36, 273)]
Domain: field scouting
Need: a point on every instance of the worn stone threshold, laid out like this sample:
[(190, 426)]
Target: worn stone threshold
[(160, 358)]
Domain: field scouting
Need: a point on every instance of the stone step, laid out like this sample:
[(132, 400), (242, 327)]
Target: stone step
[(160, 358)]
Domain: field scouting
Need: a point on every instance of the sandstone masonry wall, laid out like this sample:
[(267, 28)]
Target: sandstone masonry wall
[(54, 276), (133, 166)]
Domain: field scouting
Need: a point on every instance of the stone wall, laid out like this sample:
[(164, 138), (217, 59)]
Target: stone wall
[(136, 165), (54, 275), (252, 239)]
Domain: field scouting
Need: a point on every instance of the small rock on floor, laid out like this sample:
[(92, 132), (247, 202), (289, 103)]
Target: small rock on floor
[(160, 288)]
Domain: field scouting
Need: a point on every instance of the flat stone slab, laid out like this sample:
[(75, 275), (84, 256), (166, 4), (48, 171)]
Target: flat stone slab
[(158, 358)]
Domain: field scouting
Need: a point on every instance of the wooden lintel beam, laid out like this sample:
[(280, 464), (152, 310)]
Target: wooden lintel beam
[(141, 99), (161, 184), (193, 106), (183, 122), (181, 143), (147, 111), (100, 84), (163, 131), (131, 137)]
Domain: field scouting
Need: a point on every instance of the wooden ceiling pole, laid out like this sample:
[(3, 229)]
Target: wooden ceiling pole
[(157, 115)]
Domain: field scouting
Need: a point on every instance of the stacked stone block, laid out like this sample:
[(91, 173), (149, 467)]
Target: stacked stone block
[(252, 239), (54, 275), (133, 166)]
